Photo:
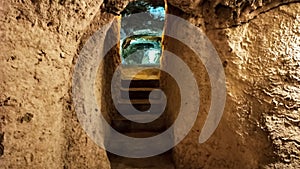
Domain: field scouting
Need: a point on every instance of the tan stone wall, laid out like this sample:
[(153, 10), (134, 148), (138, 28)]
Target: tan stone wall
[(40, 42), (265, 53), (259, 128)]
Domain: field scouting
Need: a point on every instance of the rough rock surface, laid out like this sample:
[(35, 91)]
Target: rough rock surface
[(258, 43), (260, 124), (40, 41), (272, 58)]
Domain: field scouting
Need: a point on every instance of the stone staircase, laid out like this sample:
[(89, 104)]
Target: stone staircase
[(139, 85), (139, 89)]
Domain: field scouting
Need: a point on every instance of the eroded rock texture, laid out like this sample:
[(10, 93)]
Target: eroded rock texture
[(40, 41), (260, 125), (258, 43)]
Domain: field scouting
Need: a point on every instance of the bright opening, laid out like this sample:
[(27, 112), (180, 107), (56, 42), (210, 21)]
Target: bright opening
[(142, 26)]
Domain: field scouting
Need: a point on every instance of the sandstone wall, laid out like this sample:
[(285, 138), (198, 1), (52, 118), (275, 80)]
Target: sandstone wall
[(40, 41), (258, 43), (260, 124)]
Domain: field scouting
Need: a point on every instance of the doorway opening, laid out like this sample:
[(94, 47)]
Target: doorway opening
[(141, 36)]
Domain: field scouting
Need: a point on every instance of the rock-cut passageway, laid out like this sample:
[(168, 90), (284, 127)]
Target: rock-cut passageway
[(142, 83)]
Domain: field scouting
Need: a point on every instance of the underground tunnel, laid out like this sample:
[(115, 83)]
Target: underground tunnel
[(257, 43)]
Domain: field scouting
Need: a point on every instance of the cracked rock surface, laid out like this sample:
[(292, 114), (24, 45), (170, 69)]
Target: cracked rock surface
[(258, 44)]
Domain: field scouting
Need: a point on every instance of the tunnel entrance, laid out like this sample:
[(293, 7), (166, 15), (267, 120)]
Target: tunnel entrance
[(141, 37)]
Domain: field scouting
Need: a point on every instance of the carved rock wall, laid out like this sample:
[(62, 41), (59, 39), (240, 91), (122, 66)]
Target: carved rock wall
[(260, 124), (258, 43)]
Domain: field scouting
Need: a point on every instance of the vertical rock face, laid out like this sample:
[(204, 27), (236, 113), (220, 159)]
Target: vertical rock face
[(39, 44), (260, 124), (258, 44), (266, 60)]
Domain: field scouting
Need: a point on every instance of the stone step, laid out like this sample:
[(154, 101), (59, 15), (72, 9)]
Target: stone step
[(141, 83), (139, 146), (163, 161), (140, 73), (137, 116), (140, 93), (142, 105), (140, 101), (122, 124)]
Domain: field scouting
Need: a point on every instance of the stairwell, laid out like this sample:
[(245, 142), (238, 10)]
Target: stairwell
[(139, 85)]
